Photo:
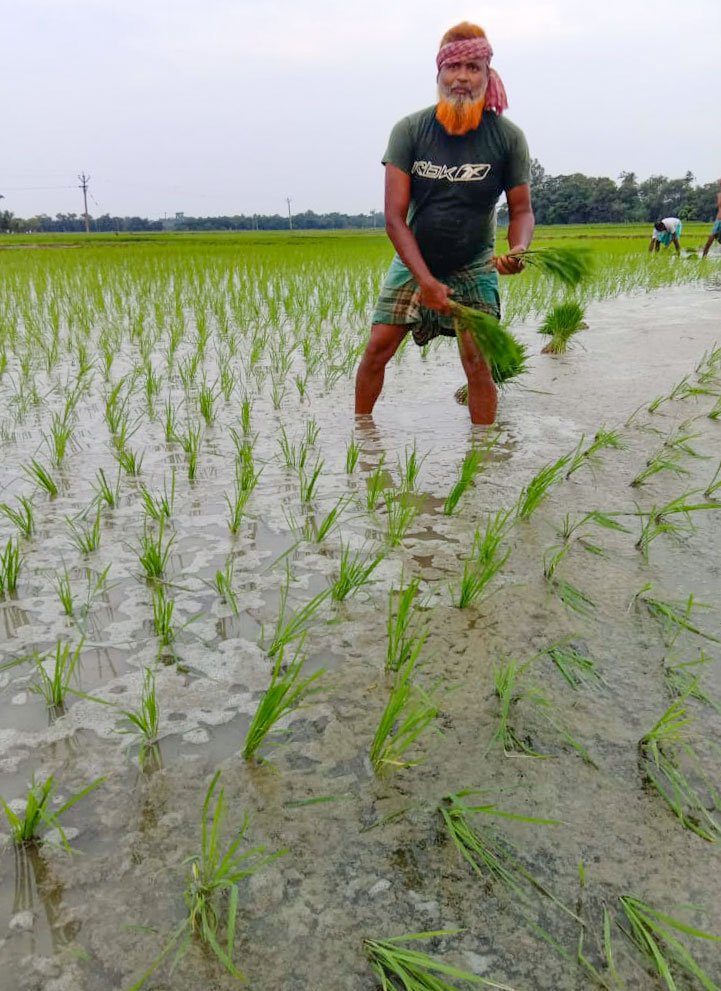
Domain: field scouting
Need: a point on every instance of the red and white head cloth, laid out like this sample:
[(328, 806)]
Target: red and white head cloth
[(476, 50)]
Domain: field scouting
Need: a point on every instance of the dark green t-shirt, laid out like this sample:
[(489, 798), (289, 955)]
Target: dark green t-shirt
[(456, 182)]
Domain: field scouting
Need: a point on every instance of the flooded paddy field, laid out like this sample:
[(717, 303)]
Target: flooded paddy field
[(184, 488)]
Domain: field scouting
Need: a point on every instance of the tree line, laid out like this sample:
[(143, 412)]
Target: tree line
[(560, 199)]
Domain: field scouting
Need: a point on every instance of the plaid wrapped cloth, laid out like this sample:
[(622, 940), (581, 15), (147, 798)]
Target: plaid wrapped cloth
[(399, 302)]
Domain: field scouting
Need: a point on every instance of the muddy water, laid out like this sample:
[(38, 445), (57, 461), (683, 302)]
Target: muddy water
[(372, 859)]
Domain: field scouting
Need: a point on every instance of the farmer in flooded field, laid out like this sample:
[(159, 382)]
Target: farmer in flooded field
[(445, 168), (715, 234), (665, 232)]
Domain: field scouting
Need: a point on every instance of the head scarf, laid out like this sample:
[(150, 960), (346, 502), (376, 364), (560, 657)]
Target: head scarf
[(476, 49)]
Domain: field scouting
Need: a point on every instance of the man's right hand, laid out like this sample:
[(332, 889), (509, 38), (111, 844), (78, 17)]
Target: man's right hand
[(436, 295)]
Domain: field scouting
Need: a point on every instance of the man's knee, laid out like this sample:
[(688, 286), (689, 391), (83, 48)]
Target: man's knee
[(383, 344)]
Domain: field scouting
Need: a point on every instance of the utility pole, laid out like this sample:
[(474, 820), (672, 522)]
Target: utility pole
[(84, 180), (290, 216)]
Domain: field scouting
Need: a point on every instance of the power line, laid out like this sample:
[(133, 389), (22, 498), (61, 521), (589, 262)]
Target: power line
[(84, 180)]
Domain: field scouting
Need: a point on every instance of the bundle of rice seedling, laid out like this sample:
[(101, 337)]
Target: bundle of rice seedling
[(506, 357), (561, 323), (570, 266)]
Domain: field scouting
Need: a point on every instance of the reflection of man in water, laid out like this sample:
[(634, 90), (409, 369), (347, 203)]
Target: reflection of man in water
[(715, 234), (446, 167), (666, 232)]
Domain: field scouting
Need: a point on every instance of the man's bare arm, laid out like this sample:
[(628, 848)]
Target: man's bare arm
[(521, 223), (434, 294)]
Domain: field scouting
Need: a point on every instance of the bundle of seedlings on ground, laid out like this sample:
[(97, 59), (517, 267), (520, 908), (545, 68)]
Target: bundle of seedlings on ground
[(656, 935), (485, 560), (25, 825), (662, 752), (571, 266), (512, 687), (401, 969), (602, 439), (533, 494), (470, 467), (563, 321), (287, 692), (409, 711), (674, 616), (494, 859), (144, 721), (212, 892), (506, 357)]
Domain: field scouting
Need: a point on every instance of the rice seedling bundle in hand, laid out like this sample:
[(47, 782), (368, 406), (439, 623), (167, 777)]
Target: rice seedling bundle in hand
[(505, 355), (571, 266), (561, 323)]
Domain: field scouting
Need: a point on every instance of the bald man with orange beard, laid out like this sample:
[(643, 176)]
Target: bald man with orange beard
[(445, 169)]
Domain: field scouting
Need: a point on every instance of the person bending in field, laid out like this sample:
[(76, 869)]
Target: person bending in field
[(665, 232), (715, 234), (445, 168)]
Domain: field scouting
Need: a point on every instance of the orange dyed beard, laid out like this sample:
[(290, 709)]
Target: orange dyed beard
[(459, 117)]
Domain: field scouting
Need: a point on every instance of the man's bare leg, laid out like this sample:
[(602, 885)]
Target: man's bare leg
[(707, 245), (482, 392), (384, 341)]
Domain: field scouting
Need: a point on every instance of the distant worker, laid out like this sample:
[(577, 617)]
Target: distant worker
[(445, 168), (715, 234), (665, 232)]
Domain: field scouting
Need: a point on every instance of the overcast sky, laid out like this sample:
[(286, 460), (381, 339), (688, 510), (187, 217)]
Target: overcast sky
[(229, 106)]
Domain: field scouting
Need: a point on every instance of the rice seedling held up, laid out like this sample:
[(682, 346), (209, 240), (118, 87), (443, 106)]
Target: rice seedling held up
[(561, 323), (25, 827), (354, 572), (212, 891), (506, 357), (287, 692), (655, 935), (571, 266), (401, 969), (145, 720)]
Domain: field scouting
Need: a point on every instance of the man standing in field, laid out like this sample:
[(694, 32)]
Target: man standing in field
[(445, 168), (715, 234), (665, 232)]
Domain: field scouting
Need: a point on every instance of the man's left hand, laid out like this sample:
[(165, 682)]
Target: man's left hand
[(512, 263)]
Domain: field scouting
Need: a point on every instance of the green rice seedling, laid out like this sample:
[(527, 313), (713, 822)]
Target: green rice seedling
[(399, 517), (494, 859), (685, 390), (294, 456), (484, 562), (301, 384), (130, 461), (470, 467), (287, 691), (212, 892), (277, 390), (289, 627), (153, 382), (715, 412), (714, 485), (38, 812), (409, 711), (683, 681), (312, 432), (680, 440), (144, 722), (409, 469), (236, 506), (352, 453), (571, 266), (354, 572), (573, 597), (375, 484), (160, 506), (661, 751), (309, 481), (506, 357), (190, 442), (575, 667), (55, 671), (163, 609), (561, 323), (246, 409), (85, 538), (589, 455), (41, 476), (397, 967), (402, 623), (674, 616), (155, 551), (506, 676), (170, 421), (207, 397), (23, 517), (228, 380), (223, 584), (533, 494), (65, 592), (61, 433), (10, 562), (672, 518), (655, 935), (105, 492), (318, 531)]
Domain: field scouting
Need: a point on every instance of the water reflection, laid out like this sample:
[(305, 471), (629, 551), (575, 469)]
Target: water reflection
[(36, 885)]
